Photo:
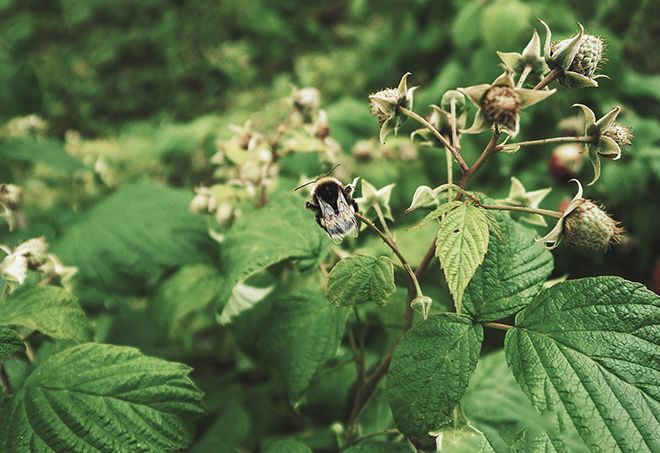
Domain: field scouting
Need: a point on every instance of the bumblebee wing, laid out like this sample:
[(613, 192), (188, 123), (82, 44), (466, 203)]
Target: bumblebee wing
[(346, 216), (330, 224)]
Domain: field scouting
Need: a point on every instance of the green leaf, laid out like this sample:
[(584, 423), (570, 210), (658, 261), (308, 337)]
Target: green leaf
[(227, 432), (512, 273), (305, 332), (183, 299), (285, 446), (10, 343), (124, 243), (359, 279), (437, 213), (282, 230), (461, 245), (52, 311), (47, 152), (430, 370), (587, 350), (102, 397)]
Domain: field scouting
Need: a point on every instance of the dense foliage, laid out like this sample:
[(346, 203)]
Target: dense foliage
[(165, 289)]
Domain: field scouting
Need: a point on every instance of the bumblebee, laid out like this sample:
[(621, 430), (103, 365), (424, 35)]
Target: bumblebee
[(334, 207)]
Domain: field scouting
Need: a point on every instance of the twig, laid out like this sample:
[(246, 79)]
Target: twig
[(496, 325), (421, 120), (545, 212), (394, 248), (552, 75), (542, 141)]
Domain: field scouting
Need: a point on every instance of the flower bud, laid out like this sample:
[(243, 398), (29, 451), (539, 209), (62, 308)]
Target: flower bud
[(10, 195), (458, 99), (621, 135), (588, 57), (35, 250), (588, 227), (422, 305), (203, 201), (13, 268), (385, 105), (424, 197), (501, 104), (224, 214)]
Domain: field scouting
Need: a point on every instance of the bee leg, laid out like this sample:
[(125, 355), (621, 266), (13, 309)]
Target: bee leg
[(355, 205), (348, 190), (311, 206)]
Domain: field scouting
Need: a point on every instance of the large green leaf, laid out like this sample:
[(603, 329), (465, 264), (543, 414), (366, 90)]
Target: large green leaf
[(184, 303), (512, 273), (124, 243), (285, 446), (374, 446), (96, 397), (587, 350), (430, 370), (281, 230), (359, 279), (47, 152), (305, 331), (52, 311), (461, 245), (10, 343)]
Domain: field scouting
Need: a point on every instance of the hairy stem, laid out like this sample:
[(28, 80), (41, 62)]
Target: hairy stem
[(543, 141), (421, 120), (392, 245), (552, 75), (496, 325), (545, 212)]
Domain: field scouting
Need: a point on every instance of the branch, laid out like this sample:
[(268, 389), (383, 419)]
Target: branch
[(421, 120), (542, 141), (497, 325), (545, 212), (552, 75)]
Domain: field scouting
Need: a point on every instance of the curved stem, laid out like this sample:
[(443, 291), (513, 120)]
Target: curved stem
[(421, 120), (395, 249), (545, 212), (543, 141), (552, 75), (383, 223), (496, 325), (523, 76)]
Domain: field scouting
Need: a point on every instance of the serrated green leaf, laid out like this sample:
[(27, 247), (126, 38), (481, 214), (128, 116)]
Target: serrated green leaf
[(461, 244), (282, 230), (430, 370), (128, 240), (10, 343), (285, 446), (305, 332), (359, 279), (437, 213), (181, 301), (513, 272), (588, 350), (52, 311), (103, 398)]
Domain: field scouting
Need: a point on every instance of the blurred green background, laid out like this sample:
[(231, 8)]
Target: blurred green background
[(126, 91)]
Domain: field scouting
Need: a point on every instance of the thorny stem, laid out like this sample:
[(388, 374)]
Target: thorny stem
[(395, 249), (456, 144), (542, 141), (4, 379), (545, 212), (496, 325), (421, 120), (523, 75), (552, 75)]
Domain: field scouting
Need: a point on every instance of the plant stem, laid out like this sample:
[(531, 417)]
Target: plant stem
[(523, 76), (542, 141), (496, 325), (394, 248), (370, 435), (421, 120), (545, 212), (552, 75), (4, 380), (358, 356), (455, 143), (383, 223)]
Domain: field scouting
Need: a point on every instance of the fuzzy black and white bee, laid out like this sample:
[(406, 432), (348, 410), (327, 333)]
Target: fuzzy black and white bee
[(334, 206)]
